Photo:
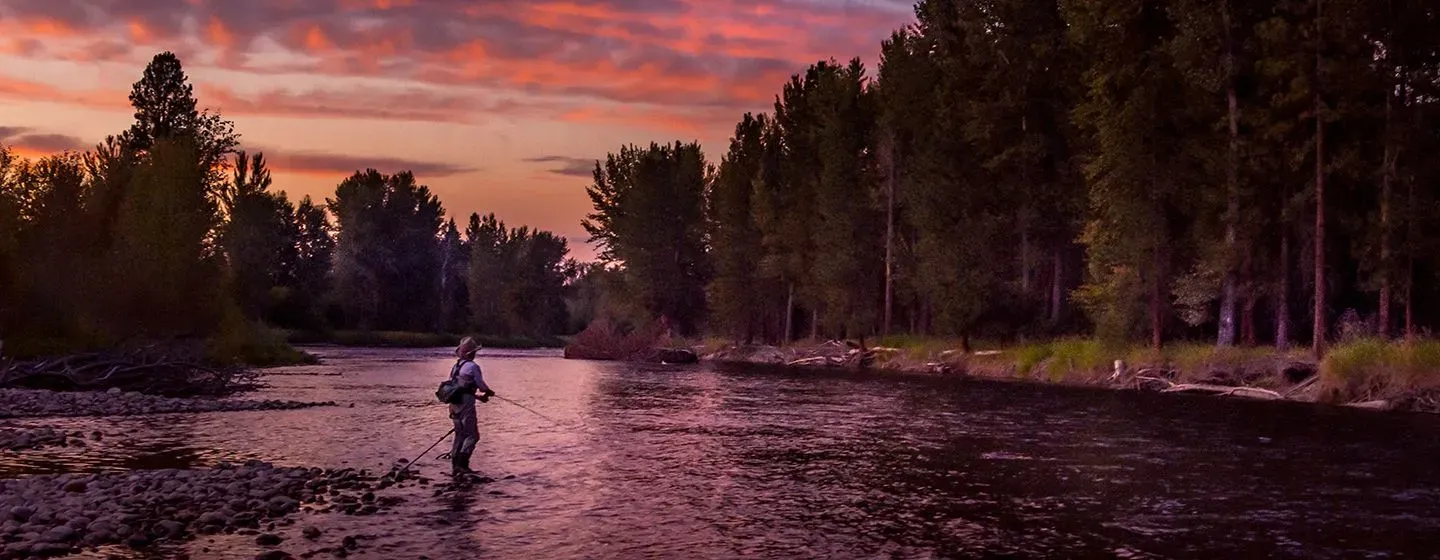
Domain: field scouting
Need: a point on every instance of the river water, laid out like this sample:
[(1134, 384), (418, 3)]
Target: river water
[(708, 461)]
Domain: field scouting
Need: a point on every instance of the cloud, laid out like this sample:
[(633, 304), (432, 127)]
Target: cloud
[(27, 140), (418, 104), (566, 165), (332, 164), (731, 54)]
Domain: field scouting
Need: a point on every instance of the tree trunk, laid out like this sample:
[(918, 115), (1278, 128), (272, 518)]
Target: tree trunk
[(1387, 169), (1410, 301), (1156, 291), (789, 315), (889, 240), (1056, 283), (1282, 301), (1317, 344), (1247, 318), (815, 324), (1025, 260), (1226, 335), (1411, 234)]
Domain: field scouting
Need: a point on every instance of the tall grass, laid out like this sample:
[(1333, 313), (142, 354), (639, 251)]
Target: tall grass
[(1372, 369)]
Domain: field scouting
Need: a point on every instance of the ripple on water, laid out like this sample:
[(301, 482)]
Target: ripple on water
[(724, 462)]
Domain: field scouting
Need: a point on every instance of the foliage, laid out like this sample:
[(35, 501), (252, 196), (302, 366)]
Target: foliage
[(156, 235), (649, 209), (517, 280), (734, 236), (1373, 369), (387, 260)]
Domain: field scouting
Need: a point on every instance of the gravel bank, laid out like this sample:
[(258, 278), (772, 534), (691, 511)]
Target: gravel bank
[(20, 439), (60, 514), (32, 403)]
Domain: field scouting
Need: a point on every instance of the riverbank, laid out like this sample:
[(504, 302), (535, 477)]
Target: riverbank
[(1363, 373), (61, 514), (406, 339)]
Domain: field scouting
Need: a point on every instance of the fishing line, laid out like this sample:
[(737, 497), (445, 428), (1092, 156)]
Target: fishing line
[(530, 410)]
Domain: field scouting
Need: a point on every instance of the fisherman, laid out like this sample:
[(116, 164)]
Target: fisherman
[(466, 375)]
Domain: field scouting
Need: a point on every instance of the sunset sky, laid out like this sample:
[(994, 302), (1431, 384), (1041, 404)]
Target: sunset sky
[(498, 105)]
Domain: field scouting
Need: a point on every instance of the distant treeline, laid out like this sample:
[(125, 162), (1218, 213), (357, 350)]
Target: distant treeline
[(1239, 171), (166, 231)]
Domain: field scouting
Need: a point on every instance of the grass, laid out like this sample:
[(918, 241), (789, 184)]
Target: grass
[(1086, 360), (1373, 369), (405, 339)]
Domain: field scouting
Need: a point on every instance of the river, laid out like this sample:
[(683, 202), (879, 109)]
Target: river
[(711, 461)]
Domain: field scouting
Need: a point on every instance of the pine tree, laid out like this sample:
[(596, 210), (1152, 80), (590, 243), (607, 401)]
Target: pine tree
[(735, 239), (649, 216), (1135, 174)]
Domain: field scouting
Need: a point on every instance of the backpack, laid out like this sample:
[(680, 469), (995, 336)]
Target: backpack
[(449, 391)]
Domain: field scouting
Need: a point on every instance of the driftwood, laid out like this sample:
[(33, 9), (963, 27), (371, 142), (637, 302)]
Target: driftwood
[(172, 372), (1225, 390), (1302, 386)]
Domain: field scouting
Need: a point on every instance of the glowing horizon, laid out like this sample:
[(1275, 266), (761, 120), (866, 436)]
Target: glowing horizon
[(499, 106)]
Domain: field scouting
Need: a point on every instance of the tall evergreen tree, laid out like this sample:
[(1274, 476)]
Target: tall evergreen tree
[(1133, 109), (260, 237), (649, 216), (735, 239), (847, 244)]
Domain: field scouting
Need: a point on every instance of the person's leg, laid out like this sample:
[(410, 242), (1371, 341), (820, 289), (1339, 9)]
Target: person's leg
[(457, 421), (467, 434)]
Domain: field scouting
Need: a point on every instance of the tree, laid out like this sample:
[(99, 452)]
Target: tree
[(387, 261), (735, 238), (165, 277), (1134, 176), (310, 276), (649, 209), (454, 267), (260, 238), (846, 242), (487, 238), (165, 107)]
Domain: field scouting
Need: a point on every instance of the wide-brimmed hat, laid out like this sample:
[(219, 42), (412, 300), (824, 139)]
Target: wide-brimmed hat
[(466, 347)]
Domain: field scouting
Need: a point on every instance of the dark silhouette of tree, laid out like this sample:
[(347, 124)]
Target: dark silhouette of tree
[(387, 259), (260, 236), (649, 210)]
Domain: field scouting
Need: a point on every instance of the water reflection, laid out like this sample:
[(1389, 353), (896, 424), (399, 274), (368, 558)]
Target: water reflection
[(701, 461)]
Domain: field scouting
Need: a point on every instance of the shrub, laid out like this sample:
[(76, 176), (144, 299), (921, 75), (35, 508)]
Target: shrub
[(1370, 369)]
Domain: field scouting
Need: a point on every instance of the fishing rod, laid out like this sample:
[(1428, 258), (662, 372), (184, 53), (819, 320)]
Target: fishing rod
[(427, 450)]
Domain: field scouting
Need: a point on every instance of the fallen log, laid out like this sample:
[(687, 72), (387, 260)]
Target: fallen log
[(147, 370), (1223, 390)]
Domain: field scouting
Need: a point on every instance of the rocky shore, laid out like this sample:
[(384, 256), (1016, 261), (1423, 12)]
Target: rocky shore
[(61, 514), (20, 438), (32, 403)]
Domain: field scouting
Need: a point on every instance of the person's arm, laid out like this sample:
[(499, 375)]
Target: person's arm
[(476, 377)]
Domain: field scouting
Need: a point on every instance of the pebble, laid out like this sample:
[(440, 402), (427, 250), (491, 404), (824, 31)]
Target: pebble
[(138, 508), (35, 403), (21, 439)]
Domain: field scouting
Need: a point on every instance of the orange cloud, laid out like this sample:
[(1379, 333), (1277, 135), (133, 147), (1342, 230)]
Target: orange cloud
[(37, 91), (138, 31), (701, 54), (217, 34), (47, 27)]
